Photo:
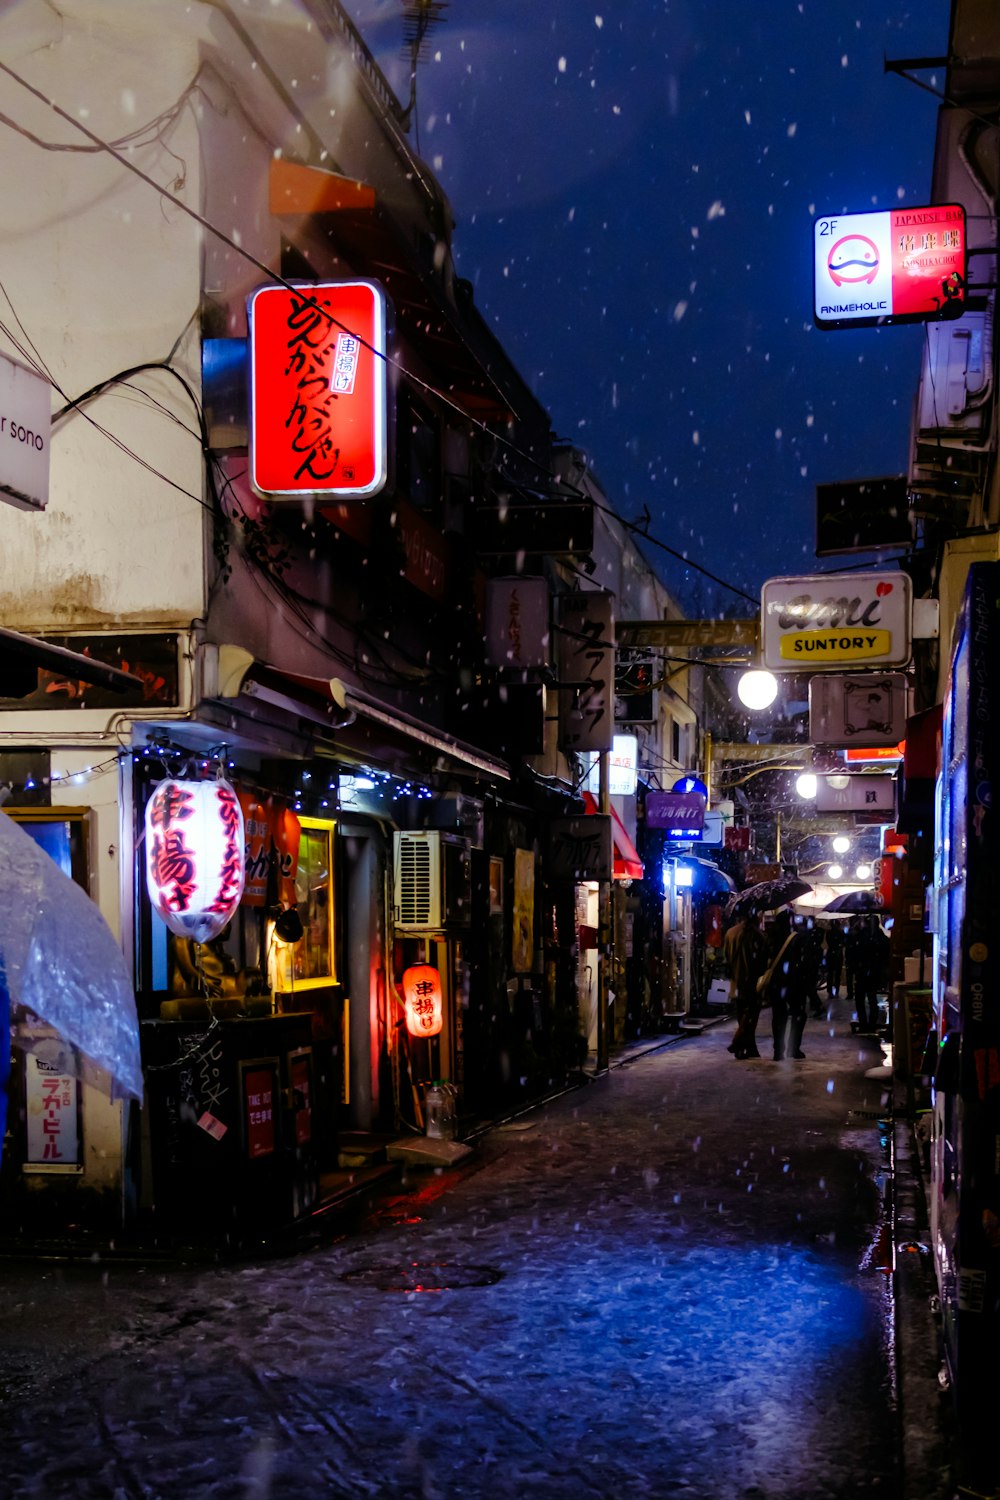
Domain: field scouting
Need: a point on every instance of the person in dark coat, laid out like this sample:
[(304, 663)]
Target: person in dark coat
[(746, 952), (852, 942), (871, 967), (834, 958), (812, 936), (788, 987)]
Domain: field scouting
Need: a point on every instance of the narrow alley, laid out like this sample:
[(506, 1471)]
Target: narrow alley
[(676, 1280)]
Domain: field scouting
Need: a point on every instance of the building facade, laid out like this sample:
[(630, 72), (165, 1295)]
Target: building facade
[(378, 671)]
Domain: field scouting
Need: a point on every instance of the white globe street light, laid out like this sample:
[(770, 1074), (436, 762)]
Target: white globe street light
[(757, 689), (841, 844), (834, 872), (806, 785), (864, 872)]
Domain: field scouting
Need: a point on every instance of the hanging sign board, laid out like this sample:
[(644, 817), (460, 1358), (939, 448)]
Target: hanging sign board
[(899, 265), (867, 709), (836, 620), (623, 763), (580, 848), (317, 389), (856, 793), (586, 649), (682, 813), (25, 428), (517, 622), (892, 753)]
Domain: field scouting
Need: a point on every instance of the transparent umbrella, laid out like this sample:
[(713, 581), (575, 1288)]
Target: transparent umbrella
[(60, 960)]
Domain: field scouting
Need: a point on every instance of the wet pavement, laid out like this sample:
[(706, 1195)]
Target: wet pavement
[(675, 1281)]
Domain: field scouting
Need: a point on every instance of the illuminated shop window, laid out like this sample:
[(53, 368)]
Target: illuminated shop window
[(310, 960)]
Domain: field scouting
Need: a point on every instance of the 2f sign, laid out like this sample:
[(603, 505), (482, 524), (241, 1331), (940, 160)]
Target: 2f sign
[(25, 426), (900, 265)]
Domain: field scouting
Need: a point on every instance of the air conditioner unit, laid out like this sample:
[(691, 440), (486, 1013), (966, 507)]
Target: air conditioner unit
[(433, 881)]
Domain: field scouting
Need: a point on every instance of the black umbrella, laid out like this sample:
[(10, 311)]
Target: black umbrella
[(767, 895), (855, 901)]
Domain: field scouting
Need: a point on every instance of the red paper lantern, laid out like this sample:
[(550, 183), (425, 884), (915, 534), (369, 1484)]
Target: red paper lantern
[(194, 856), (422, 997)]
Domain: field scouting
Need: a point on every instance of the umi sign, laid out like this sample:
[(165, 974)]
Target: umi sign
[(836, 620), (317, 389)]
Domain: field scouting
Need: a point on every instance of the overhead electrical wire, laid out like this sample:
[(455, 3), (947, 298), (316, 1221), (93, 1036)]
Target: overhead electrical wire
[(102, 145)]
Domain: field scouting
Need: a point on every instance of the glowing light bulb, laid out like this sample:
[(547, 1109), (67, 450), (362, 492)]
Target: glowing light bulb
[(757, 689)]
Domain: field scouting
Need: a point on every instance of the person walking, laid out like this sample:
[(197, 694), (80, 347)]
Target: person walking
[(812, 939), (786, 987), (870, 972), (746, 952), (852, 947), (834, 958)]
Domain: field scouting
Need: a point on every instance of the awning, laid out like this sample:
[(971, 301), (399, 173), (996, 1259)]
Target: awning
[(329, 701), (711, 879), (627, 864)]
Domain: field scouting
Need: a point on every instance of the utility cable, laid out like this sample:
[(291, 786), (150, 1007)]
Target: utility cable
[(274, 276)]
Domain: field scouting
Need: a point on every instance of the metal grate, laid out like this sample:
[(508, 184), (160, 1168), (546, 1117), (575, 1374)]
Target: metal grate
[(414, 882)]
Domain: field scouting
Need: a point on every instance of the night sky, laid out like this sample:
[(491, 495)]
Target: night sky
[(634, 187)]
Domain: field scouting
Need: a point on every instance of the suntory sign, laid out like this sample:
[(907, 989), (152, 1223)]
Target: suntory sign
[(836, 620)]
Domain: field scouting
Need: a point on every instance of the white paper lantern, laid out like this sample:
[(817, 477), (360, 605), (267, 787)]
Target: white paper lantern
[(194, 856)]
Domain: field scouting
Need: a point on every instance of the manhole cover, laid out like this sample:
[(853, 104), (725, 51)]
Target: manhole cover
[(426, 1276)]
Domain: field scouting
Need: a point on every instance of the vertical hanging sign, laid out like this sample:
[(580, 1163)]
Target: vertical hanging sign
[(317, 389), (586, 671)]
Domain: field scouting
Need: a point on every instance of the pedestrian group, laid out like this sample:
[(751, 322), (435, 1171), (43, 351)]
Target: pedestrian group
[(784, 966)]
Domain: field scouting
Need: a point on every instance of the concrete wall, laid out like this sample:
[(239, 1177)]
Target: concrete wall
[(101, 275)]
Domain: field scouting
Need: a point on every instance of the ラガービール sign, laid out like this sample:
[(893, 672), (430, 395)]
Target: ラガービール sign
[(900, 265), (834, 620), (317, 389)]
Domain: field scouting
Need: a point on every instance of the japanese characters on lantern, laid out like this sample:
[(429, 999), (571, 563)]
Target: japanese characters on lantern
[(422, 1000), (194, 856)]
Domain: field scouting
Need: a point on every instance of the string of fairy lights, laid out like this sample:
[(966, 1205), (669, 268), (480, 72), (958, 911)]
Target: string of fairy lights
[(310, 790)]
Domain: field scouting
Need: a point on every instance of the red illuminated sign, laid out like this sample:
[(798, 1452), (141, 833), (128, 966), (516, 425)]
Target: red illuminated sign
[(899, 265), (876, 752), (317, 389), (258, 1105)]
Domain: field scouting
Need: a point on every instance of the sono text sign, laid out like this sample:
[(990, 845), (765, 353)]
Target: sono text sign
[(833, 620), (900, 265), (25, 427), (317, 389)]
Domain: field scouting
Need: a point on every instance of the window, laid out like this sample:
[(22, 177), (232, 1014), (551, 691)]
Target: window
[(310, 962)]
